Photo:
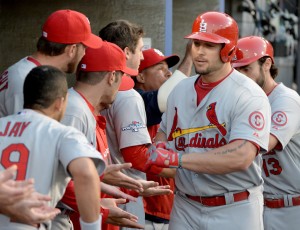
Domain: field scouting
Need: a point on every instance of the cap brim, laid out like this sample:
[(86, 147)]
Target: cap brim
[(208, 37), (93, 41), (126, 83), (172, 60), (129, 71)]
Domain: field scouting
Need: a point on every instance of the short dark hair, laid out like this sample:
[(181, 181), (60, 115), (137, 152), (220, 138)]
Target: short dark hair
[(90, 78), (50, 48), (42, 86), (122, 33), (273, 69)]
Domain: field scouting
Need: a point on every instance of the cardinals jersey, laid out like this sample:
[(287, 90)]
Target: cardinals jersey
[(42, 148), (234, 109), (79, 116), (11, 86), (126, 126), (282, 167)]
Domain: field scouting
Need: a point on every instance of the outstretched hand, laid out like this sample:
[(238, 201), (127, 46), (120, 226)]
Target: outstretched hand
[(12, 191), (31, 210), (114, 176), (152, 188), (118, 216)]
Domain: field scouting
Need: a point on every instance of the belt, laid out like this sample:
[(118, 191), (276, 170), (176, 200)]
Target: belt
[(279, 203), (218, 200)]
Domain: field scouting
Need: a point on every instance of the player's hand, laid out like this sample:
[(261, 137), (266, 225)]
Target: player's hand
[(158, 190), (162, 156), (12, 191), (31, 210), (114, 176), (116, 192), (152, 188), (118, 216)]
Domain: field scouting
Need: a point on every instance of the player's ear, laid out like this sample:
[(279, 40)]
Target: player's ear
[(140, 78), (70, 50), (111, 77), (127, 52), (267, 64), (59, 103)]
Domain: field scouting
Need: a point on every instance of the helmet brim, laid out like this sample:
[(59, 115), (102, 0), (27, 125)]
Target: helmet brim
[(208, 37)]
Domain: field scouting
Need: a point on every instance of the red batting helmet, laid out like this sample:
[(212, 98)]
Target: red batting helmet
[(217, 27), (250, 49)]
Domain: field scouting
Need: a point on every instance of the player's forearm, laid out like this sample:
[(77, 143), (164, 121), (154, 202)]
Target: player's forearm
[(87, 189), (168, 173), (236, 156), (273, 142)]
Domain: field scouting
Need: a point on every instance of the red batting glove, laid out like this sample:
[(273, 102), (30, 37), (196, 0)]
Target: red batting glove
[(161, 156)]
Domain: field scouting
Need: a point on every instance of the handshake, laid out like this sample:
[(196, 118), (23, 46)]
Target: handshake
[(161, 155)]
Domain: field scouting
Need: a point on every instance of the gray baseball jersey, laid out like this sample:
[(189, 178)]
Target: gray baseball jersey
[(126, 126), (235, 109), (79, 116), (11, 86), (281, 168), (42, 148)]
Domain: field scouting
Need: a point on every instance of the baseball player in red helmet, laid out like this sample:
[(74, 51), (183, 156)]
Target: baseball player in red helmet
[(65, 34), (34, 136), (281, 165), (215, 125)]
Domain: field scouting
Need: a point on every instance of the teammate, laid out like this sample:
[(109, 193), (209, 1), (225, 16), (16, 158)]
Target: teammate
[(101, 73), (65, 34), (34, 136), (127, 134), (281, 165), (215, 125), (153, 72), (18, 200)]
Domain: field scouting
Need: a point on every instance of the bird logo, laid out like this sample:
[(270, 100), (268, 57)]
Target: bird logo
[(212, 117)]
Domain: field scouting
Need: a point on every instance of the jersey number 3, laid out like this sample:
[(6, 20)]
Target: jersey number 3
[(22, 155), (274, 163)]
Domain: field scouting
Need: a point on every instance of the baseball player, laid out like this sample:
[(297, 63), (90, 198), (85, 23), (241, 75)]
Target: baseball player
[(34, 136), (215, 125), (100, 75), (65, 34), (127, 133), (19, 201), (281, 165), (153, 72)]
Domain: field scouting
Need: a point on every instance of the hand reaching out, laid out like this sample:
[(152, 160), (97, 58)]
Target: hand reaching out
[(118, 216), (12, 191), (114, 176)]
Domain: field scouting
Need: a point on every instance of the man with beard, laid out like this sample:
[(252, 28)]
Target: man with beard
[(281, 165), (65, 35), (215, 125)]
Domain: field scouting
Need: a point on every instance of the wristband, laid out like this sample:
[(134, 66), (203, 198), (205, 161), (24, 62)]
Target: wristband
[(180, 160), (91, 226)]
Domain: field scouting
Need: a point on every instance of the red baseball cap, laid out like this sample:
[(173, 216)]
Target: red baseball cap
[(109, 57), (70, 27), (154, 56)]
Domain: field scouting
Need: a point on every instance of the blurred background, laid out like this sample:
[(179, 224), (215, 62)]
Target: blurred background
[(165, 22)]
